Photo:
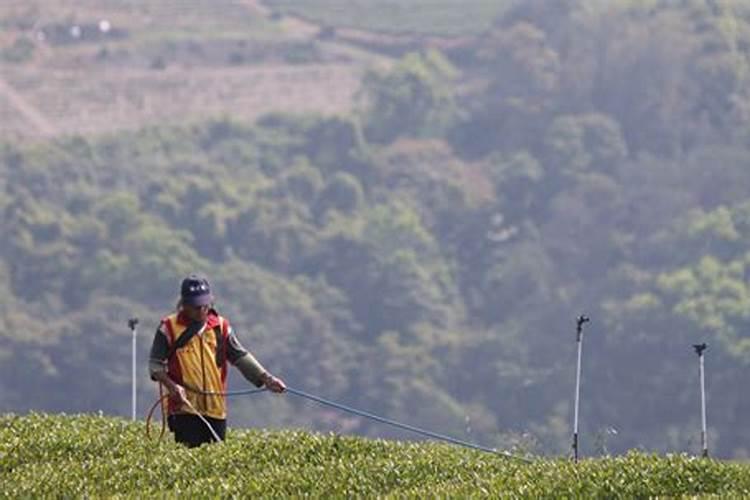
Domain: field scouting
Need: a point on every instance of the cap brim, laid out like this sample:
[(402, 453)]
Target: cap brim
[(198, 300)]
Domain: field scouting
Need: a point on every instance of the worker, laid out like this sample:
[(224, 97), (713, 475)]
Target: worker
[(189, 356)]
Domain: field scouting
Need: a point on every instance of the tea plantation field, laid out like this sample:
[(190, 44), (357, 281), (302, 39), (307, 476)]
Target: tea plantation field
[(86, 455)]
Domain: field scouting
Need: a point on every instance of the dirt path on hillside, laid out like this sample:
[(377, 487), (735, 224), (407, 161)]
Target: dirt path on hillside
[(294, 26), (30, 112), (300, 28)]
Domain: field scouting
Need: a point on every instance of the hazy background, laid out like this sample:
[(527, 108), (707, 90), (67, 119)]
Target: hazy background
[(402, 205)]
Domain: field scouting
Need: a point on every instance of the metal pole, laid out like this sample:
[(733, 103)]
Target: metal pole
[(579, 340), (132, 323), (699, 348)]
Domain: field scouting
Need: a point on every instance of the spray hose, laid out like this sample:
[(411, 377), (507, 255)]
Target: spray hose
[(161, 403), (332, 404)]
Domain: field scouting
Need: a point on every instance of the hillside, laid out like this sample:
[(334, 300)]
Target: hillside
[(421, 255), (99, 66), (85, 455), (95, 67), (418, 17)]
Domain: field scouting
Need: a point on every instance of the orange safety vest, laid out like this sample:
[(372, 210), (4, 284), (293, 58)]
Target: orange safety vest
[(198, 366)]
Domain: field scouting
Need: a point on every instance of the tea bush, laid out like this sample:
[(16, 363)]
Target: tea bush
[(89, 455)]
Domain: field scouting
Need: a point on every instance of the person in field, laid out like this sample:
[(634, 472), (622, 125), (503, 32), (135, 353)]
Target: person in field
[(189, 356)]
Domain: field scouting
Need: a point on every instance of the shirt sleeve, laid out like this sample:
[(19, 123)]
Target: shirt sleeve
[(157, 359), (235, 350)]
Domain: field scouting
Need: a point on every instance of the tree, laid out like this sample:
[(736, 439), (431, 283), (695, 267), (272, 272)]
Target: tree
[(413, 99), (584, 143), (515, 84), (343, 193)]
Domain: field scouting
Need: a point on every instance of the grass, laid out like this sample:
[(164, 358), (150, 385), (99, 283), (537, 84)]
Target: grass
[(428, 17), (87, 455)]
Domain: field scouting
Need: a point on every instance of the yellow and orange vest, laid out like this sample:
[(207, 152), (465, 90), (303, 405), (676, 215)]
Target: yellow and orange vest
[(199, 365)]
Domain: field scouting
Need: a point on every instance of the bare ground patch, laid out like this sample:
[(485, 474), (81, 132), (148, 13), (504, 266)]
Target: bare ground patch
[(98, 101)]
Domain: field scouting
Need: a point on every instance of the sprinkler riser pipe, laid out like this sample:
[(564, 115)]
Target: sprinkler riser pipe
[(704, 433), (579, 340), (132, 323)]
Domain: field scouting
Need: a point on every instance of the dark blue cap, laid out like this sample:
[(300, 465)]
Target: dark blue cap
[(195, 291)]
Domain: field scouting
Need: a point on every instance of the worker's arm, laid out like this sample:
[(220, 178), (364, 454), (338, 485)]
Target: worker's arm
[(157, 366)]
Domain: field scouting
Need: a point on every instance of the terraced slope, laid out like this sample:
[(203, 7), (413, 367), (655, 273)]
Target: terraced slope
[(97, 66)]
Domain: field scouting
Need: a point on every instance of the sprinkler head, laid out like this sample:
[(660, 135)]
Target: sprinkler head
[(580, 321), (699, 348), (132, 322), (579, 326)]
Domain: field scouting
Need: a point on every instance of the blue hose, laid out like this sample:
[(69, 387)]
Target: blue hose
[(410, 428), (382, 420)]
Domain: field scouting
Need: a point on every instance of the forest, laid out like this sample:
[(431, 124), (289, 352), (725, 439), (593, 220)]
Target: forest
[(425, 256)]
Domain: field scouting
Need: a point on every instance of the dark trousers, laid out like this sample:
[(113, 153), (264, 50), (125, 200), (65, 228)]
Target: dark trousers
[(191, 431)]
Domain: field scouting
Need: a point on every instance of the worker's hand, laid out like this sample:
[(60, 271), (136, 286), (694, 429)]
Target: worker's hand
[(178, 393), (273, 384)]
